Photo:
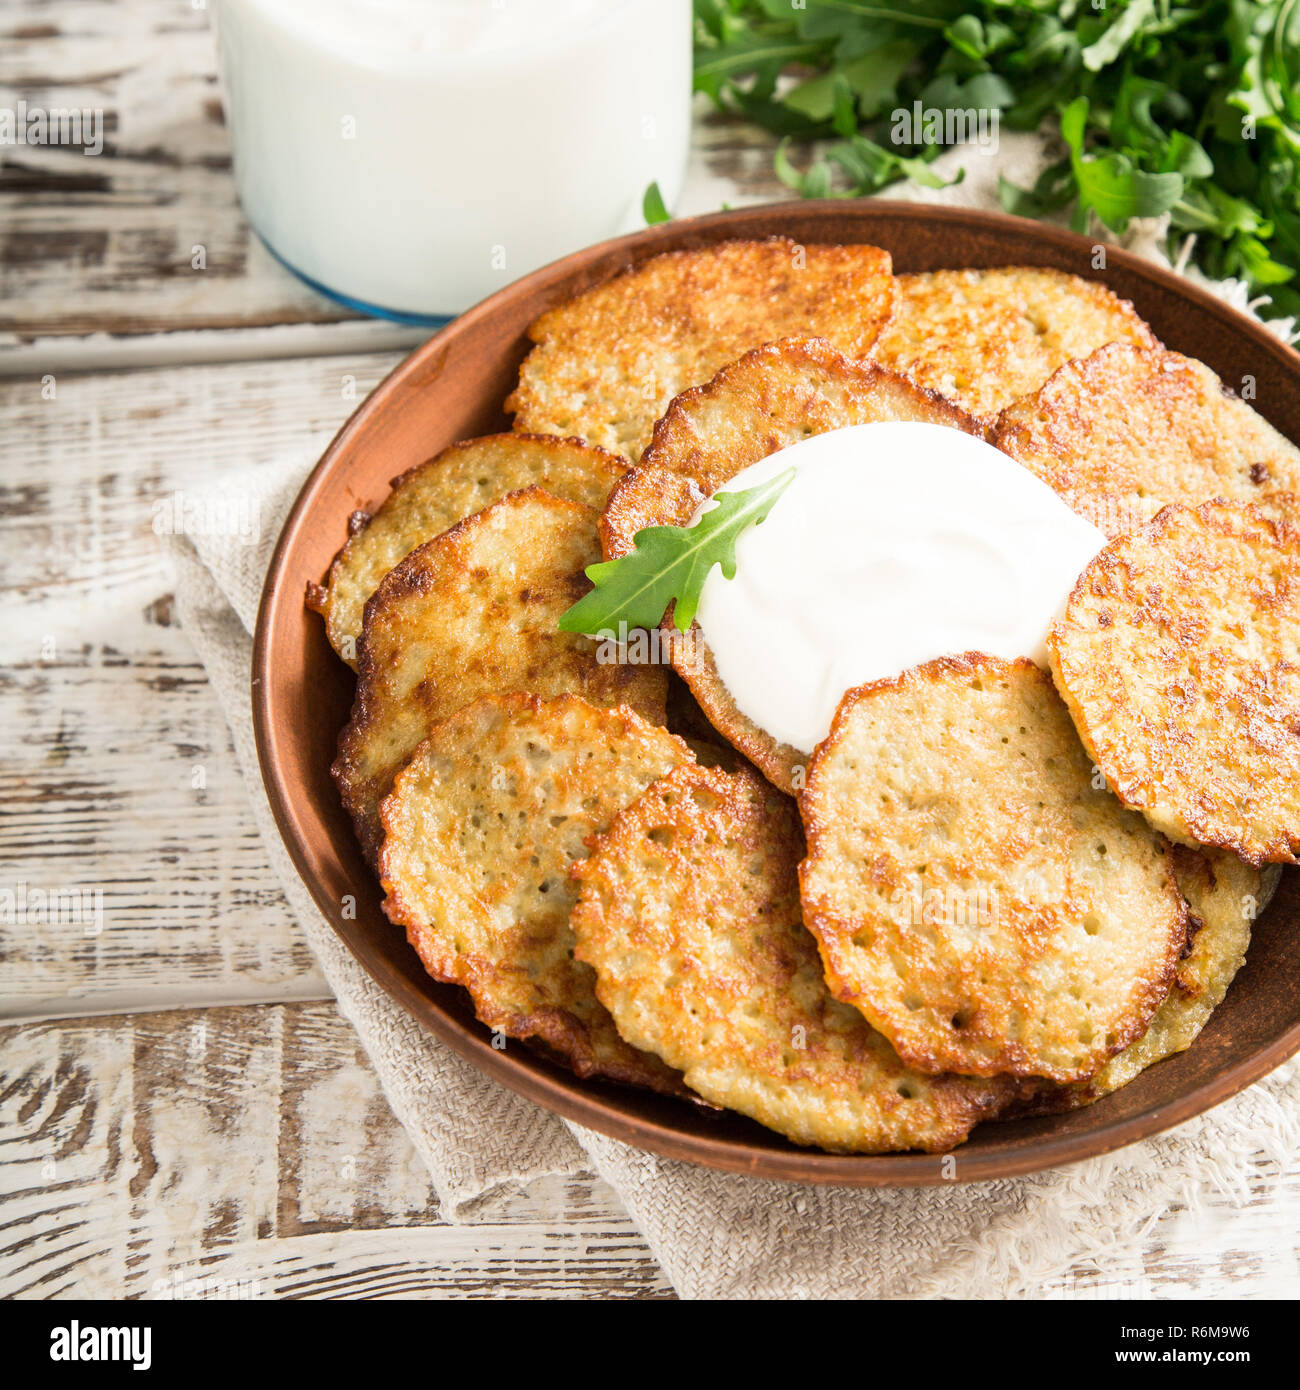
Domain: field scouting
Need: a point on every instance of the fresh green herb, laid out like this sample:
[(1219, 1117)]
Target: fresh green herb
[(670, 563), (652, 207), (1189, 109)]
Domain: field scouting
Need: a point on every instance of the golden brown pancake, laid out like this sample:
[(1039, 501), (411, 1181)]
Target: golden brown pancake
[(1224, 896), (481, 830), (984, 338), (608, 362), (1128, 430), (474, 613), (427, 500), (1179, 657), (981, 902)]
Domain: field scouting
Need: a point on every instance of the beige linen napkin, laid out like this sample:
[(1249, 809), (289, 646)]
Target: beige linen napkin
[(717, 1235)]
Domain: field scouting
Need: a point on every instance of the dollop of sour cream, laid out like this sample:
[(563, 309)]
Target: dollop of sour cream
[(894, 543)]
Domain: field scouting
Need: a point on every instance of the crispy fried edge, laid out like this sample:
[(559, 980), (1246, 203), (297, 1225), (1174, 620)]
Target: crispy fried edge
[(1015, 439), (797, 349), (1048, 1098), (541, 332), (1099, 295)]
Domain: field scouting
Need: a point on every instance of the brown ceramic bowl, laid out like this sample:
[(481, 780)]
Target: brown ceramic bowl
[(452, 388)]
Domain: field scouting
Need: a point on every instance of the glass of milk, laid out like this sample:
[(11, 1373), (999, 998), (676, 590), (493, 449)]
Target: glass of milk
[(411, 156)]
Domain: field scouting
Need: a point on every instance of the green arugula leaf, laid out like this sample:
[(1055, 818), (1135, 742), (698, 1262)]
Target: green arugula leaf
[(1052, 190), (1112, 43), (874, 77), (1259, 266), (652, 207), (669, 564), (814, 98), (1186, 156), (984, 89), (748, 53), (1111, 187), (1108, 184)]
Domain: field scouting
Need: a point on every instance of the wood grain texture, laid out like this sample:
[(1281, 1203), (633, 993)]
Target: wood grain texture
[(249, 1152), (106, 243), (119, 775)]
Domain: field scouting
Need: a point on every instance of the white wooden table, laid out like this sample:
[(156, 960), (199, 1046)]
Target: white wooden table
[(179, 1098)]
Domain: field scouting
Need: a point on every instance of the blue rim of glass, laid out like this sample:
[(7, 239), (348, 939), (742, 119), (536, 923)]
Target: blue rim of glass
[(360, 306)]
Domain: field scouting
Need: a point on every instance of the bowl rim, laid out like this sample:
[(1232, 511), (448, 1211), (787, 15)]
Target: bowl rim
[(533, 1077)]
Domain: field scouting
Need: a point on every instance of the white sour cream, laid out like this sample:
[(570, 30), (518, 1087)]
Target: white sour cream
[(893, 544)]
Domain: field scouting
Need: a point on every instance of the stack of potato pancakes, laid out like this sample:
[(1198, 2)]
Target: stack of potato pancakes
[(993, 889)]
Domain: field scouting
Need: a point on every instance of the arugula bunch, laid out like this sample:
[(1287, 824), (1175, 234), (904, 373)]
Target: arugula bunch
[(1191, 109)]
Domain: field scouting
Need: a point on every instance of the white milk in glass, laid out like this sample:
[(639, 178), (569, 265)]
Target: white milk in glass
[(415, 155)]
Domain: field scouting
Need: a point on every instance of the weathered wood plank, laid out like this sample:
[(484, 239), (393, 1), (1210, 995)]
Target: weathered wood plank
[(119, 778), (106, 243), (249, 1152)]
